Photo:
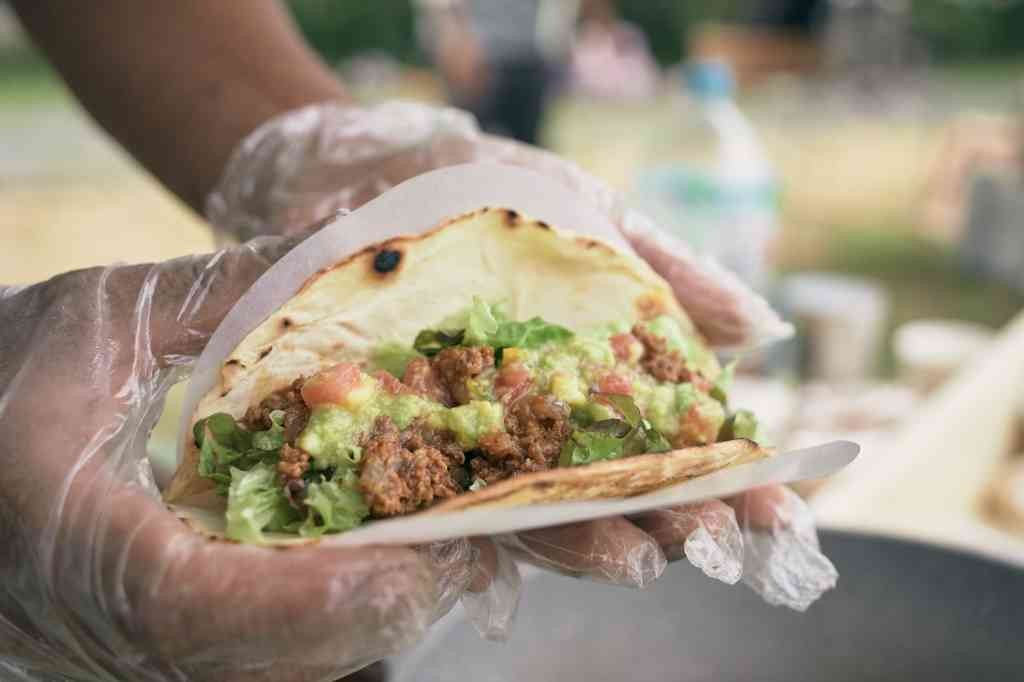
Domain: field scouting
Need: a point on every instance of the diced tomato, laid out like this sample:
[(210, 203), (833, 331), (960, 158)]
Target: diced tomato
[(390, 383), (422, 380), (614, 383), (695, 428), (332, 385), (700, 382), (511, 382), (622, 345)]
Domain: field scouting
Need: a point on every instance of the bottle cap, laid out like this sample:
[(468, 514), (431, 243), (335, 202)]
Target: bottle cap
[(709, 79)]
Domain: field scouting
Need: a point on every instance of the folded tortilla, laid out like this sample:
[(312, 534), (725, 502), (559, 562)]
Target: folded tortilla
[(393, 290)]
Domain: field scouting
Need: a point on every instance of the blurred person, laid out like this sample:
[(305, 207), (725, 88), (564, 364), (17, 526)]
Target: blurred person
[(500, 60), (226, 106), (611, 57), (972, 145)]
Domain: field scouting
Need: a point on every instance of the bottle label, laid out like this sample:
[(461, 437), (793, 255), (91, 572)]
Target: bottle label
[(697, 190), (732, 219)]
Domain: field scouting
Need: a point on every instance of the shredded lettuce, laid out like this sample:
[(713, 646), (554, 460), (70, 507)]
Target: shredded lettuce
[(393, 357), (482, 323), (741, 424), (533, 333), (613, 438), (430, 342), (585, 447), (246, 472), (256, 502), (335, 505), (487, 325), (224, 445), (225, 430), (720, 390), (272, 439)]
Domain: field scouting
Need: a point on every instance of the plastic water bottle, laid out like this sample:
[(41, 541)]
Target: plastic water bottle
[(708, 181)]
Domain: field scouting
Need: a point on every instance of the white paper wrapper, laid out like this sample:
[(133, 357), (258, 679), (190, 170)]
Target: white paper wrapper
[(418, 205)]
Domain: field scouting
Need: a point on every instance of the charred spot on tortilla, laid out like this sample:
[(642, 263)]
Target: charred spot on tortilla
[(286, 323), (387, 260), (587, 243), (231, 370), (543, 225), (265, 352), (512, 218)]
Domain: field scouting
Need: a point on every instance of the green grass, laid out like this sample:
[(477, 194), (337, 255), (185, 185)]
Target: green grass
[(29, 82), (992, 85), (983, 72)]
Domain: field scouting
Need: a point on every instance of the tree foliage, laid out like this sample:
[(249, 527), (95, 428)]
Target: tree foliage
[(953, 29)]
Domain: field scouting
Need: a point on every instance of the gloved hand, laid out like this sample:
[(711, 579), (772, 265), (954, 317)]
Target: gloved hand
[(98, 581), (312, 162)]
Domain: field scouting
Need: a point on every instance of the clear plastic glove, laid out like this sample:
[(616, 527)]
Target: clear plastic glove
[(783, 561), (99, 581), (315, 161), (764, 536)]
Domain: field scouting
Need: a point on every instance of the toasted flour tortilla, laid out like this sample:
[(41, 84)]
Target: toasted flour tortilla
[(392, 290), (624, 477)]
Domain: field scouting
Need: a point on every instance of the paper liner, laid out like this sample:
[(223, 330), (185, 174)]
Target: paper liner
[(413, 207)]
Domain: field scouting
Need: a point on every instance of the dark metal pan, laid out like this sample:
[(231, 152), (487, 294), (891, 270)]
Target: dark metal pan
[(901, 611)]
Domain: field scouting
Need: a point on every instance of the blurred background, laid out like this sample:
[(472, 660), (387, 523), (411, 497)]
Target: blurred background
[(859, 161)]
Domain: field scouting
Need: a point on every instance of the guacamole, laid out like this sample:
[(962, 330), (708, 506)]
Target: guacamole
[(476, 400)]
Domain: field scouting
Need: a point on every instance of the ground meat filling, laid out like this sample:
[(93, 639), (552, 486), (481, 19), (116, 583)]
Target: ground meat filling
[(396, 479), (292, 464), (421, 435), (403, 471), (664, 364), (458, 364), (424, 381), (288, 400), (443, 378), (537, 428)]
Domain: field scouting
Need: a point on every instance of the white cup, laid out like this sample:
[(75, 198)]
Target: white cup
[(928, 352), (843, 322)]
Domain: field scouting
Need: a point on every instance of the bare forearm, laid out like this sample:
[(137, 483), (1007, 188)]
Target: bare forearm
[(180, 83)]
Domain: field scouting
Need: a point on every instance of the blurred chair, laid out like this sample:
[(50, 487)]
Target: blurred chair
[(993, 240)]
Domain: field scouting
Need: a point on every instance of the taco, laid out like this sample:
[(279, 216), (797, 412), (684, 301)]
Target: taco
[(491, 362)]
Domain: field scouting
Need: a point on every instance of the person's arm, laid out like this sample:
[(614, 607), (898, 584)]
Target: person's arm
[(180, 83)]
